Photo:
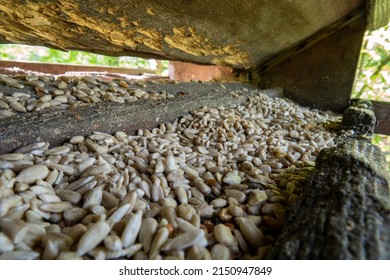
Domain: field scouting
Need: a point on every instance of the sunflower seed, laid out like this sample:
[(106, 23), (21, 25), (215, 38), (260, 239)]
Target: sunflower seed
[(57, 151), (56, 207), (5, 243), (68, 195), (238, 195), (120, 213), (31, 148), (14, 156), (68, 256), (74, 215), (252, 234), (69, 170), (112, 243), (15, 230), (232, 179), (32, 173), (223, 235), (93, 197), (158, 241), (184, 240), (148, 229), (92, 237), (170, 163), (220, 252), (9, 202), (19, 255), (132, 229)]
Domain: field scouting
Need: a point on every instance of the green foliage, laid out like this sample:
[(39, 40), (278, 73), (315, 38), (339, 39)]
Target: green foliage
[(373, 75)]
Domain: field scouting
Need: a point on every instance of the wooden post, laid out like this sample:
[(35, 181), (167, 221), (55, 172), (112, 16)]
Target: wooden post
[(344, 212), (322, 75)]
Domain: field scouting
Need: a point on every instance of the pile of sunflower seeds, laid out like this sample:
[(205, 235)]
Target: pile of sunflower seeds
[(217, 183), (29, 92)]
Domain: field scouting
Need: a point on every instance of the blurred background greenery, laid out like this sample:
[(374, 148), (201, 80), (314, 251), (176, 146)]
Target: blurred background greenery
[(43, 54), (372, 77)]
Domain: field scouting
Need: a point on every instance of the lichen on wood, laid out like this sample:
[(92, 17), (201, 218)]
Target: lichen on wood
[(344, 212)]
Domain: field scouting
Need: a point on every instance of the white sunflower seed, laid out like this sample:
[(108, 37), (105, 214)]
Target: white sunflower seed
[(56, 207), (132, 229), (184, 240), (148, 230), (32, 173), (92, 237)]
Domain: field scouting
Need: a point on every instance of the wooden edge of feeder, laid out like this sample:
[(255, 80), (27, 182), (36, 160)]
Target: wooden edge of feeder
[(320, 73), (58, 69), (344, 211), (56, 127)]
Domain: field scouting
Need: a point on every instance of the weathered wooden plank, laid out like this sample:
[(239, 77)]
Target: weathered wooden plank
[(378, 13), (56, 127), (241, 34), (58, 69), (322, 75), (325, 32), (344, 212)]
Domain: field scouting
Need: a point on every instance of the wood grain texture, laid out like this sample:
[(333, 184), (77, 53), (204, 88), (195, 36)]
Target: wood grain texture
[(378, 13), (322, 75), (241, 34), (58, 69), (344, 212), (56, 127)]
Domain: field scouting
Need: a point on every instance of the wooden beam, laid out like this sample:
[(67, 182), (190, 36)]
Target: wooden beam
[(55, 127), (322, 75), (58, 69), (325, 32), (240, 34), (378, 13)]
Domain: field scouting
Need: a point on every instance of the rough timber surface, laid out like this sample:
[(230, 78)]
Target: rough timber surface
[(56, 127), (321, 75), (241, 34), (344, 212), (379, 13)]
